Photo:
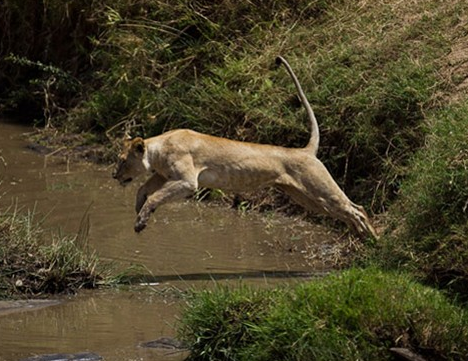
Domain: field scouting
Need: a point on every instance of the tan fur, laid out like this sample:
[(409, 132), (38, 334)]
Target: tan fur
[(182, 160)]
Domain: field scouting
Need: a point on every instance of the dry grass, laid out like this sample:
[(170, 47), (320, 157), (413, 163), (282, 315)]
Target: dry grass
[(34, 263)]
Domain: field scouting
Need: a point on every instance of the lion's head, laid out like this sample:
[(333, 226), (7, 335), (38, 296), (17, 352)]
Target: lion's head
[(130, 162)]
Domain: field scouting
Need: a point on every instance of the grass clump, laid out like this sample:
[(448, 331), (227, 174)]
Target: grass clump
[(31, 265), (218, 323), (356, 315)]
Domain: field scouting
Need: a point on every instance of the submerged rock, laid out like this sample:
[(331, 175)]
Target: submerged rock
[(82, 356), (7, 307)]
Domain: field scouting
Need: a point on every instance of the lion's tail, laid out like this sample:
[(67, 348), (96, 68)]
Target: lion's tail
[(315, 135)]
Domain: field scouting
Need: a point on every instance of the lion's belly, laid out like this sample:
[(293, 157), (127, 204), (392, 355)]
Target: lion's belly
[(236, 179)]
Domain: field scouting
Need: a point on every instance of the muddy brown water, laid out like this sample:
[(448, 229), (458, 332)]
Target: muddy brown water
[(186, 244)]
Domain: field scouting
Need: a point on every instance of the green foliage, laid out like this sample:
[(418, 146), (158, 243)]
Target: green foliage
[(63, 78), (356, 315), (48, 88), (165, 65), (374, 115)]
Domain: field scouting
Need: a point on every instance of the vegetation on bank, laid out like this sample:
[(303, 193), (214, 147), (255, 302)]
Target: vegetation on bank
[(428, 233), (34, 263), (354, 315)]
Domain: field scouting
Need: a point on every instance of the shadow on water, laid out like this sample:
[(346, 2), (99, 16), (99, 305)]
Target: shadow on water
[(184, 243), (221, 276)]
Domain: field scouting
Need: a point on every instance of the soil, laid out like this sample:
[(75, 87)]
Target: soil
[(73, 147)]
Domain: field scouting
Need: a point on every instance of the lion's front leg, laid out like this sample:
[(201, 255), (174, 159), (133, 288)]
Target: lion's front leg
[(154, 183), (141, 197), (170, 191)]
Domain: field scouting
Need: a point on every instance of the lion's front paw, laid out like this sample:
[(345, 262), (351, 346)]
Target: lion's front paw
[(140, 224)]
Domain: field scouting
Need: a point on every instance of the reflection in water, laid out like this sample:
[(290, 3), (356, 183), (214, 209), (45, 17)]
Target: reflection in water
[(186, 241)]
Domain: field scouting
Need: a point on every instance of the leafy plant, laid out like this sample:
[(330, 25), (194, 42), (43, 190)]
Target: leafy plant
[(49, 83)]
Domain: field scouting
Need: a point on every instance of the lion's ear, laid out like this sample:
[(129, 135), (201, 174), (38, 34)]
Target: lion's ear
[(139, 145)]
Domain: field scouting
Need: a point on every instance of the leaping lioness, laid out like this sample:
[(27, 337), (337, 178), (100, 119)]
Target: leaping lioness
[(182, 160)]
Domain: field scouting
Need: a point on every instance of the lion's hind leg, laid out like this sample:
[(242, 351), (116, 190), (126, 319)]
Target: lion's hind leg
[(331, 200), (356, 217)]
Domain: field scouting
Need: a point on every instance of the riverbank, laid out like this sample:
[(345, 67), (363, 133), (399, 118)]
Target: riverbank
[(359, 314)]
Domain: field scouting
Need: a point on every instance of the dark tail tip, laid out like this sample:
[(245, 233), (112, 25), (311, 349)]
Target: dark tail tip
[(278, 60)]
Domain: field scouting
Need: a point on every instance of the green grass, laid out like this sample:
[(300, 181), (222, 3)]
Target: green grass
[(355, 315), (218, 324), (429, 231), (35, 263)]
